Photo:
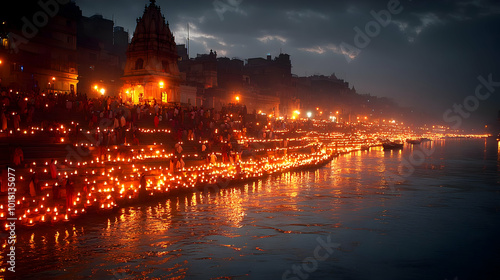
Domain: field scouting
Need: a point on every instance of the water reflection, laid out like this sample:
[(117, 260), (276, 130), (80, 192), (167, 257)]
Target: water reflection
[(166, 236), (252, 231)]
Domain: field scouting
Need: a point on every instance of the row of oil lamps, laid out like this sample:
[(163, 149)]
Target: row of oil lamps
[(106, 187)]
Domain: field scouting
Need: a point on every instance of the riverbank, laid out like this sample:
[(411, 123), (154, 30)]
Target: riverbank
[(106, 192)]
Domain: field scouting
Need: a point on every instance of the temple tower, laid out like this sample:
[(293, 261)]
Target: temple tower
[(151, 71)]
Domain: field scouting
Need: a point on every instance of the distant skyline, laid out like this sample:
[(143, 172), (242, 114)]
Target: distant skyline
[(429, 54)]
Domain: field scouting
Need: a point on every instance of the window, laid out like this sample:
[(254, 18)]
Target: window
[(139, 64)]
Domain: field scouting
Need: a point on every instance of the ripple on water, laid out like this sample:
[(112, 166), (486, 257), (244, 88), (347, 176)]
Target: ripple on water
[(443, 217)]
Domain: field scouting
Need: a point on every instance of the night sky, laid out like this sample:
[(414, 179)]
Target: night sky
[(428, 55)]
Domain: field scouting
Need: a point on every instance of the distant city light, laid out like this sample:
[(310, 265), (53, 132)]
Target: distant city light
[(309, 114), (237, 98), (103, 91)]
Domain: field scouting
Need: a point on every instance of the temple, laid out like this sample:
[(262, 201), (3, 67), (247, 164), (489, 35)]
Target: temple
[(151, 71)]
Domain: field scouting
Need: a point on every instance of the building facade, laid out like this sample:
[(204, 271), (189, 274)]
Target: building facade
[(201, 71), (151, 71), (101, 56), (39, 53)]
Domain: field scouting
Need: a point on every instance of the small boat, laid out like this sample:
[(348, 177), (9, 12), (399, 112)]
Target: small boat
[(425, 140), (365, 148), (414, 141), (390, 145)]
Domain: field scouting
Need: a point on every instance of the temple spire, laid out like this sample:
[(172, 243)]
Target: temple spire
[(151, 60)]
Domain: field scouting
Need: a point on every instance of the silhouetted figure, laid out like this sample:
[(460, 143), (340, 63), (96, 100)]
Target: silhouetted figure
[(142, 187), (32, 185), (156, 121), (53, 169), (70, 189), (18, 156)]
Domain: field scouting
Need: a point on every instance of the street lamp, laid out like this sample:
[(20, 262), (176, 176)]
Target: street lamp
[(103, 91), (237, 98), (162, 84)]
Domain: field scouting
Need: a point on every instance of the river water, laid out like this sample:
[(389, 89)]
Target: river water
[(366, 215)]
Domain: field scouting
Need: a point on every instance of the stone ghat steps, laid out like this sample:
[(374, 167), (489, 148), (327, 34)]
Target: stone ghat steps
[(154, 196), (221, 184), (33, 152), (36, 150)]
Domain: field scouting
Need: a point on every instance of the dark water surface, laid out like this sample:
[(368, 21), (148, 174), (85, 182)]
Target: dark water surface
[(439, 218)]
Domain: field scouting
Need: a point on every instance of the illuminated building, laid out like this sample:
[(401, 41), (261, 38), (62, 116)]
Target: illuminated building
[(39, 52), (151, 60)]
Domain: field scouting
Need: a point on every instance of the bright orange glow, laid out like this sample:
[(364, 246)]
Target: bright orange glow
[(162, 84), (96, 87), (103, 91), (237, 98), (53, 78)]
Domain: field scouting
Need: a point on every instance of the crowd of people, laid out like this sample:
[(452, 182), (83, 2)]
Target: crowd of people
[(114, 123), (111, 122), (208, 132), (23, 109)]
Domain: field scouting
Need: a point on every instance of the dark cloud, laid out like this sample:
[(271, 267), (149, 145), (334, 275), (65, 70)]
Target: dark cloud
[(429, 55)]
